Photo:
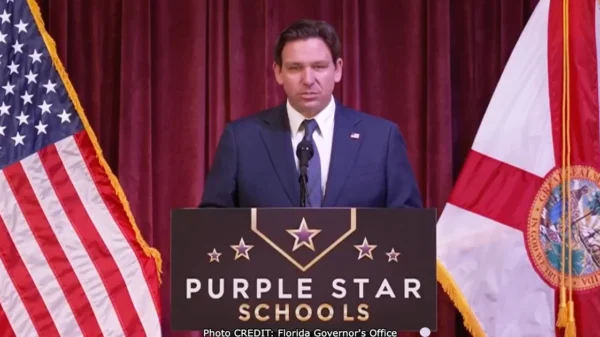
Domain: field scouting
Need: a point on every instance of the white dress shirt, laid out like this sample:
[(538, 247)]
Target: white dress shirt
[(323, 136)]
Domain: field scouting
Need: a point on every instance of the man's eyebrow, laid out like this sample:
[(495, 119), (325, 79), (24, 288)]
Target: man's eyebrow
[(295, 63)]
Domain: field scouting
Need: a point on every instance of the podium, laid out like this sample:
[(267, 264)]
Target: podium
[(283, 269)]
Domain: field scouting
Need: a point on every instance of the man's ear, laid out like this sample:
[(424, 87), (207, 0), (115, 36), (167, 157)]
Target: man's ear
[(339, 64), (277, 72)]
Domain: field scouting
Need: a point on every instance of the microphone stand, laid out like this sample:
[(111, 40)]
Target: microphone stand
[(303, 179), (304, 151)]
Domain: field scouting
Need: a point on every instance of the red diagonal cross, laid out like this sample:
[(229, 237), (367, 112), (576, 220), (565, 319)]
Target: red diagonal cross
[(496, 190), (505, 193)]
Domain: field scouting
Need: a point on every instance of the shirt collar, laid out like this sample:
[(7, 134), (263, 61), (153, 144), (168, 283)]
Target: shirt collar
[(323, 118)]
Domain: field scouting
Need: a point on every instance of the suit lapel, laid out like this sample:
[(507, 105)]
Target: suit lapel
[(277, 139), (343, 152)]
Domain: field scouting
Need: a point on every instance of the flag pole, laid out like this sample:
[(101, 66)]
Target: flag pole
[(563, 310)]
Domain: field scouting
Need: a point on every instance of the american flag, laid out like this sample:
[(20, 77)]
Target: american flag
[(72, 261)]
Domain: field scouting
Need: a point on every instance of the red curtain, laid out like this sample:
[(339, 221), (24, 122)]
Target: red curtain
[(159, 79)]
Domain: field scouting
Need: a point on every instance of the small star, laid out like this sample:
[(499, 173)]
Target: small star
[(18, 139), (45, 107), (392, 255), (36, 57), (304, 236), (365, 249), (50, 87), (31, 77), (14, 68), (17, 47), (21, 26), (5, 17), (27, 98), (9, 88), (214, 255), (241, 250), (2, 128), (64, 117), (41, 128), (23, 118), (4, 109), (3, 37)]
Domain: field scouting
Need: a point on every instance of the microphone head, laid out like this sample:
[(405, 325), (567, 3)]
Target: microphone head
[(305, 150)]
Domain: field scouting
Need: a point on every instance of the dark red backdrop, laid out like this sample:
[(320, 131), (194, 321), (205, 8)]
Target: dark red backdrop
[(159, 79)]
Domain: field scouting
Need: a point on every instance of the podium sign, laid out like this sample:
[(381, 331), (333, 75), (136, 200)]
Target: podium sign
[(303, 268)]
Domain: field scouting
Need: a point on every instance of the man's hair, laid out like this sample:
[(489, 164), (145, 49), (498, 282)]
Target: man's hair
[(305, 29)]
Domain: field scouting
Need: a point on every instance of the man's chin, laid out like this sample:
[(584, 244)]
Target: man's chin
[(309, 103), (308, 106)]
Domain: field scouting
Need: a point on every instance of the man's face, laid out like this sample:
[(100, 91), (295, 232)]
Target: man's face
[(308, 74)]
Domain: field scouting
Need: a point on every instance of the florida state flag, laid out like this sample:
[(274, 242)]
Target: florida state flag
[(519, 239)]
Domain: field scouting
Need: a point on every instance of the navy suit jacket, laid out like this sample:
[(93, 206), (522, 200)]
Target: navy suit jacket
[(254, 165)]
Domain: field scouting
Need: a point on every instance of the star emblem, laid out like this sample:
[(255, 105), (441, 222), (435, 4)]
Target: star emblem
[(22, 26), (4, 109), (365, 249), (22, 118), (26, 98), (41, 128), (31, 77), (392, 255), (45, 107), (214, 255), (18, 139), (304, 236), (36, 57), (9, 88), (64, 117), (50, 87), (5, 16), (241, 250), (14, 68)]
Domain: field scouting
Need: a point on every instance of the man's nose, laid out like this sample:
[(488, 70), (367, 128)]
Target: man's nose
[(308, 77)]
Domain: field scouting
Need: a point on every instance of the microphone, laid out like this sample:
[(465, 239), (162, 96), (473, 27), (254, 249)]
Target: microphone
[(304, 152)]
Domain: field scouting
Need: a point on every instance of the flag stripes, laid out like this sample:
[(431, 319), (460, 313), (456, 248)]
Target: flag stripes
[(95, 191), (18, 313), (58, 239), (72, 260), (87, 252), (29, 269), (41, 236)]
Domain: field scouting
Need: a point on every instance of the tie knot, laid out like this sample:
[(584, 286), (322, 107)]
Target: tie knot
[(310, 125)]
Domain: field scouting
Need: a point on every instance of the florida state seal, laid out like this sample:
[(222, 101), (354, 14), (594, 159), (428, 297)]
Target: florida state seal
[(544, 234)]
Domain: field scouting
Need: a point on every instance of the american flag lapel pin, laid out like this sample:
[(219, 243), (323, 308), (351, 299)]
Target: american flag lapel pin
[(354, 135)]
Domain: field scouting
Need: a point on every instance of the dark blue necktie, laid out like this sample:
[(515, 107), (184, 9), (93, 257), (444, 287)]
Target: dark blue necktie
[(315, 193)]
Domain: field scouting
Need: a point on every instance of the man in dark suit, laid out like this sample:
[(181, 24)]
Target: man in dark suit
[(359, 160)]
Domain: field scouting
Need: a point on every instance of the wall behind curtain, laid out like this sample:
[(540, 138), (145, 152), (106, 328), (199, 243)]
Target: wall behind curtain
[(159, 79)]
